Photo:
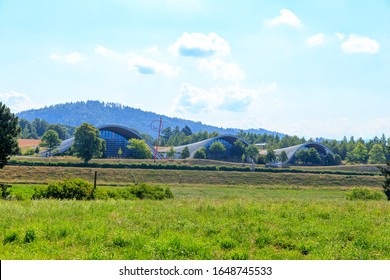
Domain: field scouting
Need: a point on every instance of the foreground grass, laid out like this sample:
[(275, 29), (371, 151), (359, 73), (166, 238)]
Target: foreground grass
[(202, 222)]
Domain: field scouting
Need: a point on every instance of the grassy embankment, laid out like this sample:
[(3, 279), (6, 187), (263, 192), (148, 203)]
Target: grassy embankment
[(214, 215)]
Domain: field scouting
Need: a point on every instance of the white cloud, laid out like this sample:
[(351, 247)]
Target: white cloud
[(105, 51), (340, 36), (71, 58), (17, 101), (286, 17), (315, 40), (221, 70), (152, 50), (360, 44), (234, 98), (200, 45), (149, 67)]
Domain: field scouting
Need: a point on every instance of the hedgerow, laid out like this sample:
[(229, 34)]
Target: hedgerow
[(79, 189), (185, 167), (364, 194)]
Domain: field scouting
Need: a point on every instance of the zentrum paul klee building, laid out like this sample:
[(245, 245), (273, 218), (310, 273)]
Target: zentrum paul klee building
[(117, 136)]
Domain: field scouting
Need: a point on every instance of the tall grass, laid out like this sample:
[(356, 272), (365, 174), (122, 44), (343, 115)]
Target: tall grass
[(200, 223), (113, 176)]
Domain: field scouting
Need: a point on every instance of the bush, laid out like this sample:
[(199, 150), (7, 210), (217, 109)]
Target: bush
[(5, 192), (364, 194), (142, 191), (29, 152), (29, 236), (10, 238), (77, 188)]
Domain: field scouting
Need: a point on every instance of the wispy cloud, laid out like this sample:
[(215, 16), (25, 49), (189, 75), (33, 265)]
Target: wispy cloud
[(153, 50), (286, 17), (147, 66), (17, 101), (315, 40), (360, 44), (200, 45), (340, 36), (71, 58), (221, 70), (105, 51), (234, 98)]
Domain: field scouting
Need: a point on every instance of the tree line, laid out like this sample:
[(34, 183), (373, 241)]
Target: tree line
[(348, 150), (37, 128)]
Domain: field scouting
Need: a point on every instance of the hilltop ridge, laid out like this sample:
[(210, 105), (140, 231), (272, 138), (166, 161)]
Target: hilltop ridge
[(99, 113)]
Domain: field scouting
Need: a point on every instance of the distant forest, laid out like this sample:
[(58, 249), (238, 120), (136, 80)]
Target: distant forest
[(350, 150), (101, 113), (64, 118)]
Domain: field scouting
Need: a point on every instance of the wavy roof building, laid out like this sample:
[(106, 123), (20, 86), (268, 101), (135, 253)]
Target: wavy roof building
[(117, 136), (291, 151)]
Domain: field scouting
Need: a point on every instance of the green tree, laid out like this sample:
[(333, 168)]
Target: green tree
[(386, 173), (200, 154), (217, 149), (40, 126), (252, 152), (171, 153), (237, 149), (9, 131), (28, 131), (308, 156), (376, 154), (120, 152), (139, 149), (87, 143), (270, 156), (50, 140), (185, 153), (283, 156), (302, 156), (358, 155), (60, 129), (186, 130), (314, 157)]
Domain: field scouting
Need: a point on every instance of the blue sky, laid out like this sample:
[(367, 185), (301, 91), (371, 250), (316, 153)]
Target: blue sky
[(306, 68)]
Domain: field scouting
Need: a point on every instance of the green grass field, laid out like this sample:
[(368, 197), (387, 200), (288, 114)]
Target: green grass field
[(214, 215)]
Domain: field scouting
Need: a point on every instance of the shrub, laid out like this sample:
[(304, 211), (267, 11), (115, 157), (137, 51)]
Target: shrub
[(77, 188), (10, 238), (144, 191), (5, 192), (29, 152), (141, 191), (364, 194), (29, 236)]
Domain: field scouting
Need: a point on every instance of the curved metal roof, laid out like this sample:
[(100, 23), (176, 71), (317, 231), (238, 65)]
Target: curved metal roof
[(123, 131), (193, 147), (291, 151), (128, 133)]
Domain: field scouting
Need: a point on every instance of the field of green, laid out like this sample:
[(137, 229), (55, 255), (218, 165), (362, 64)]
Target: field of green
[(214, 215)]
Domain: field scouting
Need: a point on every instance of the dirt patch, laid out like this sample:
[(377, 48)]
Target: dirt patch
[(28, 143)]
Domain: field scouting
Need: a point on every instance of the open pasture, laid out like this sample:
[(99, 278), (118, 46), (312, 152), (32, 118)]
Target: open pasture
[(214, 215), (201, 222)]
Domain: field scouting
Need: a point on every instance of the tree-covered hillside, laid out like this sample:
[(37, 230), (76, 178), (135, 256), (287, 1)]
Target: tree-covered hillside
[(99, 113)]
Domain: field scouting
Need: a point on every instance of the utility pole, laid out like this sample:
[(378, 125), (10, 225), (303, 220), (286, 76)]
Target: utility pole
[(158, 137)]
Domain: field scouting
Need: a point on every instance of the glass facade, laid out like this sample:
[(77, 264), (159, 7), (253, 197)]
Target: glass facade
[(113, 143), (226, 156)]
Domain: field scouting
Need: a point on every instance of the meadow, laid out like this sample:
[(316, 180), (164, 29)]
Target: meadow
[(213, 215)]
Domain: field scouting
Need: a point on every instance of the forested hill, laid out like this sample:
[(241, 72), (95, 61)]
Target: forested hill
[(99, 113)]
